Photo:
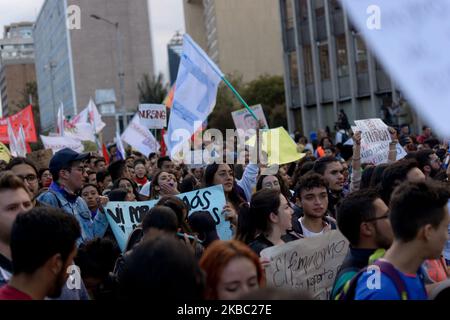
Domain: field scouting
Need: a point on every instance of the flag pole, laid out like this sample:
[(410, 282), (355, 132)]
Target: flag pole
[(238, 96)]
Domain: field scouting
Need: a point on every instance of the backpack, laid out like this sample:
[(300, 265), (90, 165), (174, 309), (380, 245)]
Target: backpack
[(349, 290)]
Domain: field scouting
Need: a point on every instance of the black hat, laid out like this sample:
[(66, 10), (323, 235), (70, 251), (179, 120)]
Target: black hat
[(63, 158)]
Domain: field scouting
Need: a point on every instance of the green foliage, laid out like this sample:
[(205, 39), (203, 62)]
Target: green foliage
[(152, 90), (265, 90)]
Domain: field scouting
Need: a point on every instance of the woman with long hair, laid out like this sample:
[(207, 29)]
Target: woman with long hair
[(223, 174), (265, 222), (164, 183)]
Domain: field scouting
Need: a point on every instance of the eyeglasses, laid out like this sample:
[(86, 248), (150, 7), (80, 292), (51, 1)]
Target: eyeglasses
[(386, 216), (29, 178)]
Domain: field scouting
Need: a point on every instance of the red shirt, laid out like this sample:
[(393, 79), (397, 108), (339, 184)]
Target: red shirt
[(10, 293)]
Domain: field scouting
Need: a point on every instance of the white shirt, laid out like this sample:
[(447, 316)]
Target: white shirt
[(307, 233)]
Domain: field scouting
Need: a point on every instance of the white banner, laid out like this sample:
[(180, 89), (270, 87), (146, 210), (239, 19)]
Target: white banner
[(58, 143), (411, 39), (153, 116), (139, 137)]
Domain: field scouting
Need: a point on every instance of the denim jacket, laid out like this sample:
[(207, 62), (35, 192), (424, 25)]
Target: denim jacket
[(90, 228)]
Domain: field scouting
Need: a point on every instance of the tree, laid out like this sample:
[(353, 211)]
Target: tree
[(265, 90), (152, 90), (269, 92)]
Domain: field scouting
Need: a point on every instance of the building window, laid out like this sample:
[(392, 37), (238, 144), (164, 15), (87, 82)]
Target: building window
[(289, 10), (293, 68), (303, 9), (324, 61), (307, 56), (360, 54), (341, 54), (319, 8)]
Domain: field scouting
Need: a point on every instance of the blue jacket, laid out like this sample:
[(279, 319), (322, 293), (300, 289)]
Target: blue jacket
[(75, 205)]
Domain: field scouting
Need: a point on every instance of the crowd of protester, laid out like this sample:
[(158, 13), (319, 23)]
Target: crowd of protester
[(394, 216)]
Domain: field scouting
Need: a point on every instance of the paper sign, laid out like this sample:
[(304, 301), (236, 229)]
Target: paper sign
[(375, 139), (309, 264), (153, 116), (124, 217), (410, 39), (244, 120)]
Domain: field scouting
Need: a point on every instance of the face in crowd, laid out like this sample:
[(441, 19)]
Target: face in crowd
[(29, 176), (333, 174), (314, 201), (224, 176)]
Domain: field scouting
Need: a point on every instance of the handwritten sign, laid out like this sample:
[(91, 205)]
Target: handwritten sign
[(153, 116), (308, 264), (411, 42), (375, 139), (124, 217)]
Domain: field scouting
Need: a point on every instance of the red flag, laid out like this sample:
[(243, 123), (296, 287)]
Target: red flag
[(105, 154), (162, 143), (28, 148)]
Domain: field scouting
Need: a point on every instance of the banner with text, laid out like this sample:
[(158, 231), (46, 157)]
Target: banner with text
[(124, 217), (308, 264), (153, 116)]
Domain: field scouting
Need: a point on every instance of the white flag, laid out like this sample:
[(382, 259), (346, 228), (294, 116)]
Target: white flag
[(21, 144), (12, 140), (195, 94), (119, 145), (139, 137)]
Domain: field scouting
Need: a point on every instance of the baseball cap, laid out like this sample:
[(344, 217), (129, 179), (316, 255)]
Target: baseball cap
[(64, 157)]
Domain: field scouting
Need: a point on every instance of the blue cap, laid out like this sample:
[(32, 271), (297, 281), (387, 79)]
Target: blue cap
[(63, 158)]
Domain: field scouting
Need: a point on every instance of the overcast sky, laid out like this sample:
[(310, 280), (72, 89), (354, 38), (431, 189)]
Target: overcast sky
[(166, 17)]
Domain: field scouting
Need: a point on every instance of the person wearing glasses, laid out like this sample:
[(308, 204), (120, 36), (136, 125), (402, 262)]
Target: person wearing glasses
[(67, 167), (26, 170), (363, 218)]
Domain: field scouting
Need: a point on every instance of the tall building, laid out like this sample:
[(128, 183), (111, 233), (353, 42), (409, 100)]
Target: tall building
[(174, 51), (329, 68), (240, 36), (16, 64), (82, 46)]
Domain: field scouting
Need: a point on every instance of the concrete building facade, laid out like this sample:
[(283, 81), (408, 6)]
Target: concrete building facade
[(16, 64), (74, 61), (329, 68), (240, 36)]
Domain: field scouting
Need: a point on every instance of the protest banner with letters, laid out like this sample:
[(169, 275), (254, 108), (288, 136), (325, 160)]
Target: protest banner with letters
[(410, 39), (309, 264), (139, 137), (41, 158), (124, 217), (375, 139), (24, 117), (244, 120), (153, 116), (58, 143)]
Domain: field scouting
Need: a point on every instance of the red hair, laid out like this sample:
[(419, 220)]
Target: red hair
[(217, 256)]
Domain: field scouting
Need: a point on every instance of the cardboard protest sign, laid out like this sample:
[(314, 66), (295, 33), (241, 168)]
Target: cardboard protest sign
[(309, 264), (153, 116), (244, 120), (410, 39), (375, 139), (26, 119), (124, 217), (40, 158)]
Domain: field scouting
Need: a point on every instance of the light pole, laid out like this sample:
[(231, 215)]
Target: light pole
[(121, 72), (50, 66)]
